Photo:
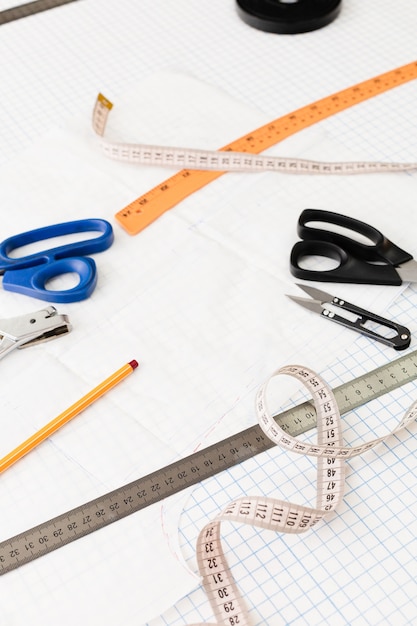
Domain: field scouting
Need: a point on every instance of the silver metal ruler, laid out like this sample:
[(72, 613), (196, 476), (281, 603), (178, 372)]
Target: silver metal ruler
[(130, 498), (30, 8)]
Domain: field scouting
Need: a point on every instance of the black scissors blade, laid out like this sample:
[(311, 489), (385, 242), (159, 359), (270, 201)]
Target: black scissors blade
[(365, 322)]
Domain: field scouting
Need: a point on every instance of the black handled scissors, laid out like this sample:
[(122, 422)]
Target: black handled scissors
[(364, 322), (380, 263)]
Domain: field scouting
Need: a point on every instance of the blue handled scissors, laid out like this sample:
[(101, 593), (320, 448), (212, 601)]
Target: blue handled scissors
[(381, 263), (30, 274)]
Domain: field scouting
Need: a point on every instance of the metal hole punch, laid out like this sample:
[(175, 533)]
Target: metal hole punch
[(288, 17), (26, 330)]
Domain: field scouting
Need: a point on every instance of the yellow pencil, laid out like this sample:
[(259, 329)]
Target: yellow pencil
[(67, 415)]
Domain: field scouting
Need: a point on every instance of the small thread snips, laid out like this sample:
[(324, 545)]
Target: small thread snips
[(26, 330), (395, 335)]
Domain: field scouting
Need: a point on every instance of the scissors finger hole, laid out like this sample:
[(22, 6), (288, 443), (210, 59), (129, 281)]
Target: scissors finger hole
[(325, 228), (317, 263), (37, 247), (63, 282)]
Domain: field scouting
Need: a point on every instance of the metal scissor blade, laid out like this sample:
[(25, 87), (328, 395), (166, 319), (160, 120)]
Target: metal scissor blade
[(312, 305), (408, 271), (399, 338), (317, 294)]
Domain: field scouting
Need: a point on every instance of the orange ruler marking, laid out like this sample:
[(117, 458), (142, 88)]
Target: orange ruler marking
[(148, 207)]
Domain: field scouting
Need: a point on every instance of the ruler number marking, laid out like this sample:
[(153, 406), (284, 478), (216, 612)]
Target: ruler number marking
[(144, 210), (203, 464)]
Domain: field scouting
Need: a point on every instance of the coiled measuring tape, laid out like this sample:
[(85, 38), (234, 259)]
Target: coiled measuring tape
[(242, 155), (279, 515), (263, 512)]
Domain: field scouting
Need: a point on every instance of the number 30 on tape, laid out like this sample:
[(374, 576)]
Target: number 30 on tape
[(206, 166)]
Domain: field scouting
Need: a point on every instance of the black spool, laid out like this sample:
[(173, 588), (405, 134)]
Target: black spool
[(288, 17)]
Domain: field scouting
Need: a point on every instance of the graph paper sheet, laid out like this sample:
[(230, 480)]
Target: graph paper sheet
[(356, 568), (199, 299)]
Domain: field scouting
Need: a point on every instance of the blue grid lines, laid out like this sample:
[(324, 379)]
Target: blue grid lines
[(355, 568)]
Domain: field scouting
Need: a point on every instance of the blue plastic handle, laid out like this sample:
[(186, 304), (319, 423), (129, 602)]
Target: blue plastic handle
[(29, 274)]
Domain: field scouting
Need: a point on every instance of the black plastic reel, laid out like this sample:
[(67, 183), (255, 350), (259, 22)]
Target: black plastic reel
[(288, 17)]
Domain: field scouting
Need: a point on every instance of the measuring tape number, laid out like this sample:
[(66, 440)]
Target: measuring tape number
[(242, 155), (279, 515), (261, 511)]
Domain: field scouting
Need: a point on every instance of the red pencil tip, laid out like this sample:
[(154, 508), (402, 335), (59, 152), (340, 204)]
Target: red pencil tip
[(133, 364)]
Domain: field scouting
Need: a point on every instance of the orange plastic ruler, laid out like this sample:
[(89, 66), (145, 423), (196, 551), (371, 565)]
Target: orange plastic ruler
[(148, 207)]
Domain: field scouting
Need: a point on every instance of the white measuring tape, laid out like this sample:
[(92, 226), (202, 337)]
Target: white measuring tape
[(263, 512), (227, 161), (278, 515)]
